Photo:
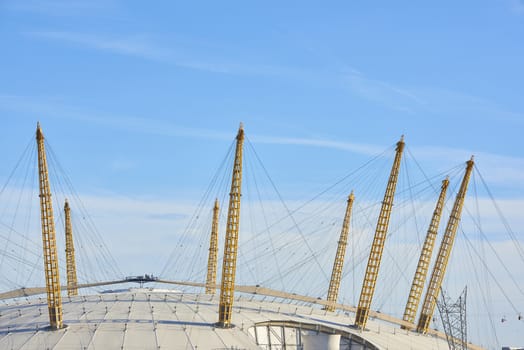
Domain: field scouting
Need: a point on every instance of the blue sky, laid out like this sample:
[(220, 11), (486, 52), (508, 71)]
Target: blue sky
[(141, 102), (446, 75)]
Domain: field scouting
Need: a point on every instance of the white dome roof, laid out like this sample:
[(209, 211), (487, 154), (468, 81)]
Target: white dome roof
[(163, 319)]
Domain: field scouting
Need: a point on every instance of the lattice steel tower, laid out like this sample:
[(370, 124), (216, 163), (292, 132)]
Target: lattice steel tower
[(419, 280), (439, 270), (72, 283), (52, 276), (375, 256), (338, 265), (453, 317), (211, 279), (229, 263)]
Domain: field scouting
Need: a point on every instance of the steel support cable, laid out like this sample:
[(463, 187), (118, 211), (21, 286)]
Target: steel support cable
[(172, 257), (105, 252), (406, 204), (247, 189), (35, 253), (318, 195), (60, 188), (199, 230), (483, 296), (499, 259), (483, 235), (84, 259), (370, 186), (285, 246), (296, 266), (300, 280), (85, 269), (96, 240), (18, 245), (22, 260), (358, 261), (200, 225), (458, 167), (199, 256), (32, 192), (291, 216), (491, 274), (24, 155), (13, 283), (327, 206), (17, 164), (16, 258), (105, 259), (281, 237), (505, 222), (293, 269), (482, 247), (429, 185), (267, 224), (19, 201), (406, 172), (392, 232)]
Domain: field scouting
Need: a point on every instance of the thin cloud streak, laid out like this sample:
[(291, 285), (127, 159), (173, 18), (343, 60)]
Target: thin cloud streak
[(53, 109), (364, 149), (390, 95), (134, 45), (500, 169), (409, 100), (142, 46)]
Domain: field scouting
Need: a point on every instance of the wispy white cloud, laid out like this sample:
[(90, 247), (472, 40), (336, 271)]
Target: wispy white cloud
[(385, 93), (138, 45), (145, 47), (497, 168), (360, 148), (443, 103), (54, 107)]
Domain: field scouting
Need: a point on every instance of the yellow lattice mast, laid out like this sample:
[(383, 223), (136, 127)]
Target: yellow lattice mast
[(213, 253), (229, 263), (375, 256), (52, 277), (437, 276), (417, 287), (338, 265), (72, 282)]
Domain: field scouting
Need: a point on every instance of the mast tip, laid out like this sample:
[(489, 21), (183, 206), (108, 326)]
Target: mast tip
[(241, 127)]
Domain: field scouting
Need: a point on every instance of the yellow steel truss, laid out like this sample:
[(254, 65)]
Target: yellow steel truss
[(52, 277), (72, 282), (375, 256), (213, 253), (338, 265), (229, 262), (417, 287), (439, 269)]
